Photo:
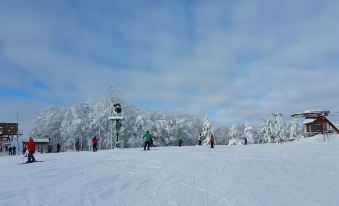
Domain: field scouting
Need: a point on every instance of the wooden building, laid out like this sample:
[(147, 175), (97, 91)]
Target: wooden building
[(8, 131), (316, 122), (41, 145)]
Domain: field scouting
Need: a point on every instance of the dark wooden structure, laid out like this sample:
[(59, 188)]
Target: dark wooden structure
[(316, 122), (8, 131)]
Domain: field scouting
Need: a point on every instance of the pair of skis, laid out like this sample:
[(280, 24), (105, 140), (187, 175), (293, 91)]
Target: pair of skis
[(26, 162)]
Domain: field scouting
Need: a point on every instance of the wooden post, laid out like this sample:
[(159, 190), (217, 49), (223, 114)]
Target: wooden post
[(322, 125)]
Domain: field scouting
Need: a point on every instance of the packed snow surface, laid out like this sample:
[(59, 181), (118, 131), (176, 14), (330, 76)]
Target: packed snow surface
[(304, 173)]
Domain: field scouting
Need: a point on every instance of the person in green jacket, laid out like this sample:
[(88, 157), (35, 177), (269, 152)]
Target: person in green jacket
[(147, 140)]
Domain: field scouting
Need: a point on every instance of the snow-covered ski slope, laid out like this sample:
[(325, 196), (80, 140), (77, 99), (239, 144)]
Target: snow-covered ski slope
[(305, 173)]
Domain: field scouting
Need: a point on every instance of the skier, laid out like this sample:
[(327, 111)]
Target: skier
[(49, 148), (31, 149), (10, 150), (147, 140), (13, 150), (245, 141), (94, 142), (212, 141), (77, 145), (179, 141), (199, 139), (58, 147)]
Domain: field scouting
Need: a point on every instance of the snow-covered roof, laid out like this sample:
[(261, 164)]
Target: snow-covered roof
[(311, 113), (308, 121), (37, 140), (315, 111)]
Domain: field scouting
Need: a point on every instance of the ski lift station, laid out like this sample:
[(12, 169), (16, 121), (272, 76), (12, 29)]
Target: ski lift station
[(316, 122), (8, 131)]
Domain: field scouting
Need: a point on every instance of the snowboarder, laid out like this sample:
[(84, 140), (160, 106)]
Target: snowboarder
[(199, 139), (31, 149), (77, 145), (58, 147), (179, 142), (94, 142), (147, 140), (212, 141)]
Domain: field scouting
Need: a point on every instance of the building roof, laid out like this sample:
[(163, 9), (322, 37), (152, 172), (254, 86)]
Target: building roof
[(309, 121), (311, 113)]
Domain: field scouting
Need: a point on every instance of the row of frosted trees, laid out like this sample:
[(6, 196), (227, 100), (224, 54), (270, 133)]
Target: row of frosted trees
[(273, 130), (64, 124)]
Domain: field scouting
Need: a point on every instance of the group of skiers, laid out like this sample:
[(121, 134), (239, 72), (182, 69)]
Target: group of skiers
[(94, 144), (147, 137), (211, 140), (148, 140), (11, 150)]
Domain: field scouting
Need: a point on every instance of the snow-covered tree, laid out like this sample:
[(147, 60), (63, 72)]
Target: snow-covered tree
[(207, 131), (278, 130), (84, 121), (235, 136), (248, 133), (295, 130), (265, 132)]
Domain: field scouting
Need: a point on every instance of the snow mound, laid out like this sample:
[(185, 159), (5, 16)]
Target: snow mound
[(330, 138)]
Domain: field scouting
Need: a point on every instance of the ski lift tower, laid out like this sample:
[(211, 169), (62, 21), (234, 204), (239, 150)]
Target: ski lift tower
[(117, 118)]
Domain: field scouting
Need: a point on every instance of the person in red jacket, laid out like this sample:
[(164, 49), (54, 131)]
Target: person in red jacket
[(31, 149), (94, 142)]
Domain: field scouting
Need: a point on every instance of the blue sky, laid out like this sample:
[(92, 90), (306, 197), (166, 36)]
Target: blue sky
[(235, 60)]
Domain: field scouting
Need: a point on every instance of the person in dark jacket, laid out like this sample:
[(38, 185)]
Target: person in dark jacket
[(31, 149), (10, 149), (95, 142), (179, 142), (58, 147), (212, 141), (13, 150), (77, 145), (147, 140), (49, 148), (199, 139)]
